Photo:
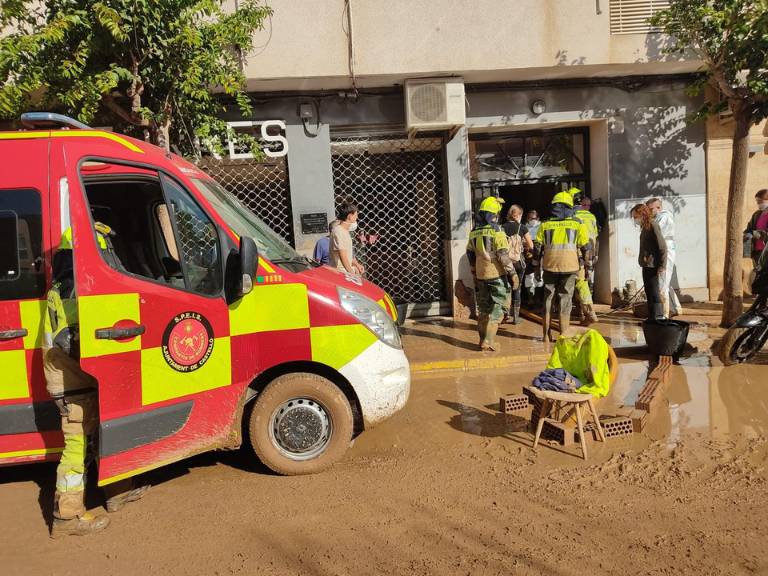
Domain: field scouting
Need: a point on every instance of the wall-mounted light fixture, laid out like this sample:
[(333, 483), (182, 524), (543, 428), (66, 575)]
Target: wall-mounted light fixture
[(538, 107)]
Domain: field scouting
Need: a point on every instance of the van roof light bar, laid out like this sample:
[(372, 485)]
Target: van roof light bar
[(36, 120)]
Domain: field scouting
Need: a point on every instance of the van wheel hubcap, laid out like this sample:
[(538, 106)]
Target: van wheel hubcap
[(300, 428)]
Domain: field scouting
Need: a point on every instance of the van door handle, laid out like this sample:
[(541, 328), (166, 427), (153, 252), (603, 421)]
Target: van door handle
[(120, 332), (11, 334)]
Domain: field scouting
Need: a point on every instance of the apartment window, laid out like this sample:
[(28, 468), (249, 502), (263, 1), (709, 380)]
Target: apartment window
[(631, 16)]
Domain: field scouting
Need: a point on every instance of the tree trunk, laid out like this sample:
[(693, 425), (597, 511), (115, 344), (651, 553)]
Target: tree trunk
[(164, 136), (160, 135), (733, 293)]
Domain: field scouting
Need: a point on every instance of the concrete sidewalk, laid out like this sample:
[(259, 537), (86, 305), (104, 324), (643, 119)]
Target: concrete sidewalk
[(445, 344)]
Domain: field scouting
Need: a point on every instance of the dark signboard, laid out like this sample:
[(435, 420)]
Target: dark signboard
[(314, 223)]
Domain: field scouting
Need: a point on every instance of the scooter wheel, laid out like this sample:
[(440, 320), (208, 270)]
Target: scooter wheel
[(740, 344), (300, 424)]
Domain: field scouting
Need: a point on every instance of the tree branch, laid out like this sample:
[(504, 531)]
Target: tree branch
[(110, 102)]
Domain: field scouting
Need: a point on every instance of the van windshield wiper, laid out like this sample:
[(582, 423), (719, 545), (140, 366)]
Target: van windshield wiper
[(303, 260)]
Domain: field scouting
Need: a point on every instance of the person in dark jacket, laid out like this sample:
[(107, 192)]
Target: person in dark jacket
[(756, 233), (652, 258)]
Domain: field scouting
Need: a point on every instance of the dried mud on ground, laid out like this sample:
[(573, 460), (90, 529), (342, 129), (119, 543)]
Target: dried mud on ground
[(443, 488)]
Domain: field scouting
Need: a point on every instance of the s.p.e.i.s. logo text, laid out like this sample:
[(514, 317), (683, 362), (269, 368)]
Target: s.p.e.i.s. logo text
[(187, 342)]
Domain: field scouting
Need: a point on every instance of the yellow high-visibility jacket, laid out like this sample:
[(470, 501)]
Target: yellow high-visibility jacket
[(560, 243)]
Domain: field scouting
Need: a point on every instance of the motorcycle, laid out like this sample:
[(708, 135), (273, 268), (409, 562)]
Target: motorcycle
[(749, 333)]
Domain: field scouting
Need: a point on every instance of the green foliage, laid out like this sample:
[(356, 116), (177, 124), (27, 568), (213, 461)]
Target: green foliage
[(141, 65), (731, 39)]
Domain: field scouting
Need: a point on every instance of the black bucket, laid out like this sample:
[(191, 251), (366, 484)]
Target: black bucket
[(666, 337)]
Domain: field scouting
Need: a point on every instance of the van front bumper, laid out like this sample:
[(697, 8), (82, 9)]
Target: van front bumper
[(381, 377)]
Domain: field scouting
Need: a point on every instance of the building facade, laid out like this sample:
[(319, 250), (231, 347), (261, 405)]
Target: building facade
[(557, 93)]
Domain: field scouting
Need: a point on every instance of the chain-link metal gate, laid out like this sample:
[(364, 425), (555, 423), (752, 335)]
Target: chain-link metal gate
[(398, 186), (261, 186)]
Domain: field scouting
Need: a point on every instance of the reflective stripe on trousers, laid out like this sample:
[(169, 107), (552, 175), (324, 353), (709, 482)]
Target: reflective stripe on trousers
[(582, 288), (77, 425)]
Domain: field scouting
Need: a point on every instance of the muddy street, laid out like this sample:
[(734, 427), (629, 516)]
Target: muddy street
[(448, 486)]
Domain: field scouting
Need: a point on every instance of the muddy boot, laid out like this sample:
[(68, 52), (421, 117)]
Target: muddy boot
[(482, 329), (516, 314), (565, 323), (589, 316), (547, 319), (488, 344), (116, 502), (86, 524)]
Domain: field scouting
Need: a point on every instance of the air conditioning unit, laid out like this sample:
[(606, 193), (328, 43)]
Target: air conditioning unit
[(434, 104)]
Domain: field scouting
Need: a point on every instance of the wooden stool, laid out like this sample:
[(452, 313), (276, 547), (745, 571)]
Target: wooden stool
[(560, 405)]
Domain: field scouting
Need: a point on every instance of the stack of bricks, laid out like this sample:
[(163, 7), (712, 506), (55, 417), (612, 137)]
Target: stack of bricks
[(651, 395), (649, 398)]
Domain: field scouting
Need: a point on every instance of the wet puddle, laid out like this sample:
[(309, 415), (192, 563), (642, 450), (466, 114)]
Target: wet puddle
[(701, 398)]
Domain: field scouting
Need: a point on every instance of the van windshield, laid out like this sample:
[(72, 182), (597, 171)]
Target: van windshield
[(245, 223)]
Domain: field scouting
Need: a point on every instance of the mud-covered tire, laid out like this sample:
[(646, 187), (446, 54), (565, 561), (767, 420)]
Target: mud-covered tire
[(295, 403), (733, 340)]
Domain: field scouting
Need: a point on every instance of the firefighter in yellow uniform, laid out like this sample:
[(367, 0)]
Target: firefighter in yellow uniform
[(560, 244), (494, 272), (74, 393), (585, 279)]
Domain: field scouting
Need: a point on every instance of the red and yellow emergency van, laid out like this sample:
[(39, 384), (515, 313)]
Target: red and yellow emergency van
[(202, 324)]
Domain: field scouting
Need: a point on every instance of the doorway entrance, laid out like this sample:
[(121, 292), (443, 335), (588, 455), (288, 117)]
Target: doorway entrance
[(529, 168)]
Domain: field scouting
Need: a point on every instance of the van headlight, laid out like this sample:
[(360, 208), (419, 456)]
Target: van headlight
[(372, 316)]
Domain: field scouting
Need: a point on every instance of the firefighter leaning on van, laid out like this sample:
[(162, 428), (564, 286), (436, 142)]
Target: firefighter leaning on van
[(585, 279), (561, 244), (494, 272), (74, 393)]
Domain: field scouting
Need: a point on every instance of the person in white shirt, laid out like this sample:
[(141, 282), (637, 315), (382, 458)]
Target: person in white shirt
[(666, 222), (341, 254)]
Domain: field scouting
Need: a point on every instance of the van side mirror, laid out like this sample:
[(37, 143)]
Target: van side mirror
[(249, 261)]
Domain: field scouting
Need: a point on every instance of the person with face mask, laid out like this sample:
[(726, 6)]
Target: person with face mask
[(756, 233), (652, 258), (666, 224), (341, 254), (492, 268), (520, 244), (532, 281)]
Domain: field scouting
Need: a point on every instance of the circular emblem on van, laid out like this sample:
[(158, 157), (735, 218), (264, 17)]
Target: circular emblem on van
[(187, 342)]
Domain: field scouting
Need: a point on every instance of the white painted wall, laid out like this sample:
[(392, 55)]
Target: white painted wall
[(305, 45)]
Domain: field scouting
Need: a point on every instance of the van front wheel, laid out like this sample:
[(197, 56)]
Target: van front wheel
[(301, 424)]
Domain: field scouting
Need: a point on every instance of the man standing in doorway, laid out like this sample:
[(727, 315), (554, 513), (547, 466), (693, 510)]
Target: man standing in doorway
[(341, 254), (488, 254), (559, 243), (666, 223)]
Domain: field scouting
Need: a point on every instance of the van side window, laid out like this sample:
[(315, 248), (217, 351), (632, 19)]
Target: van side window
[(21, 240), (197, 240), (159, 232)]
